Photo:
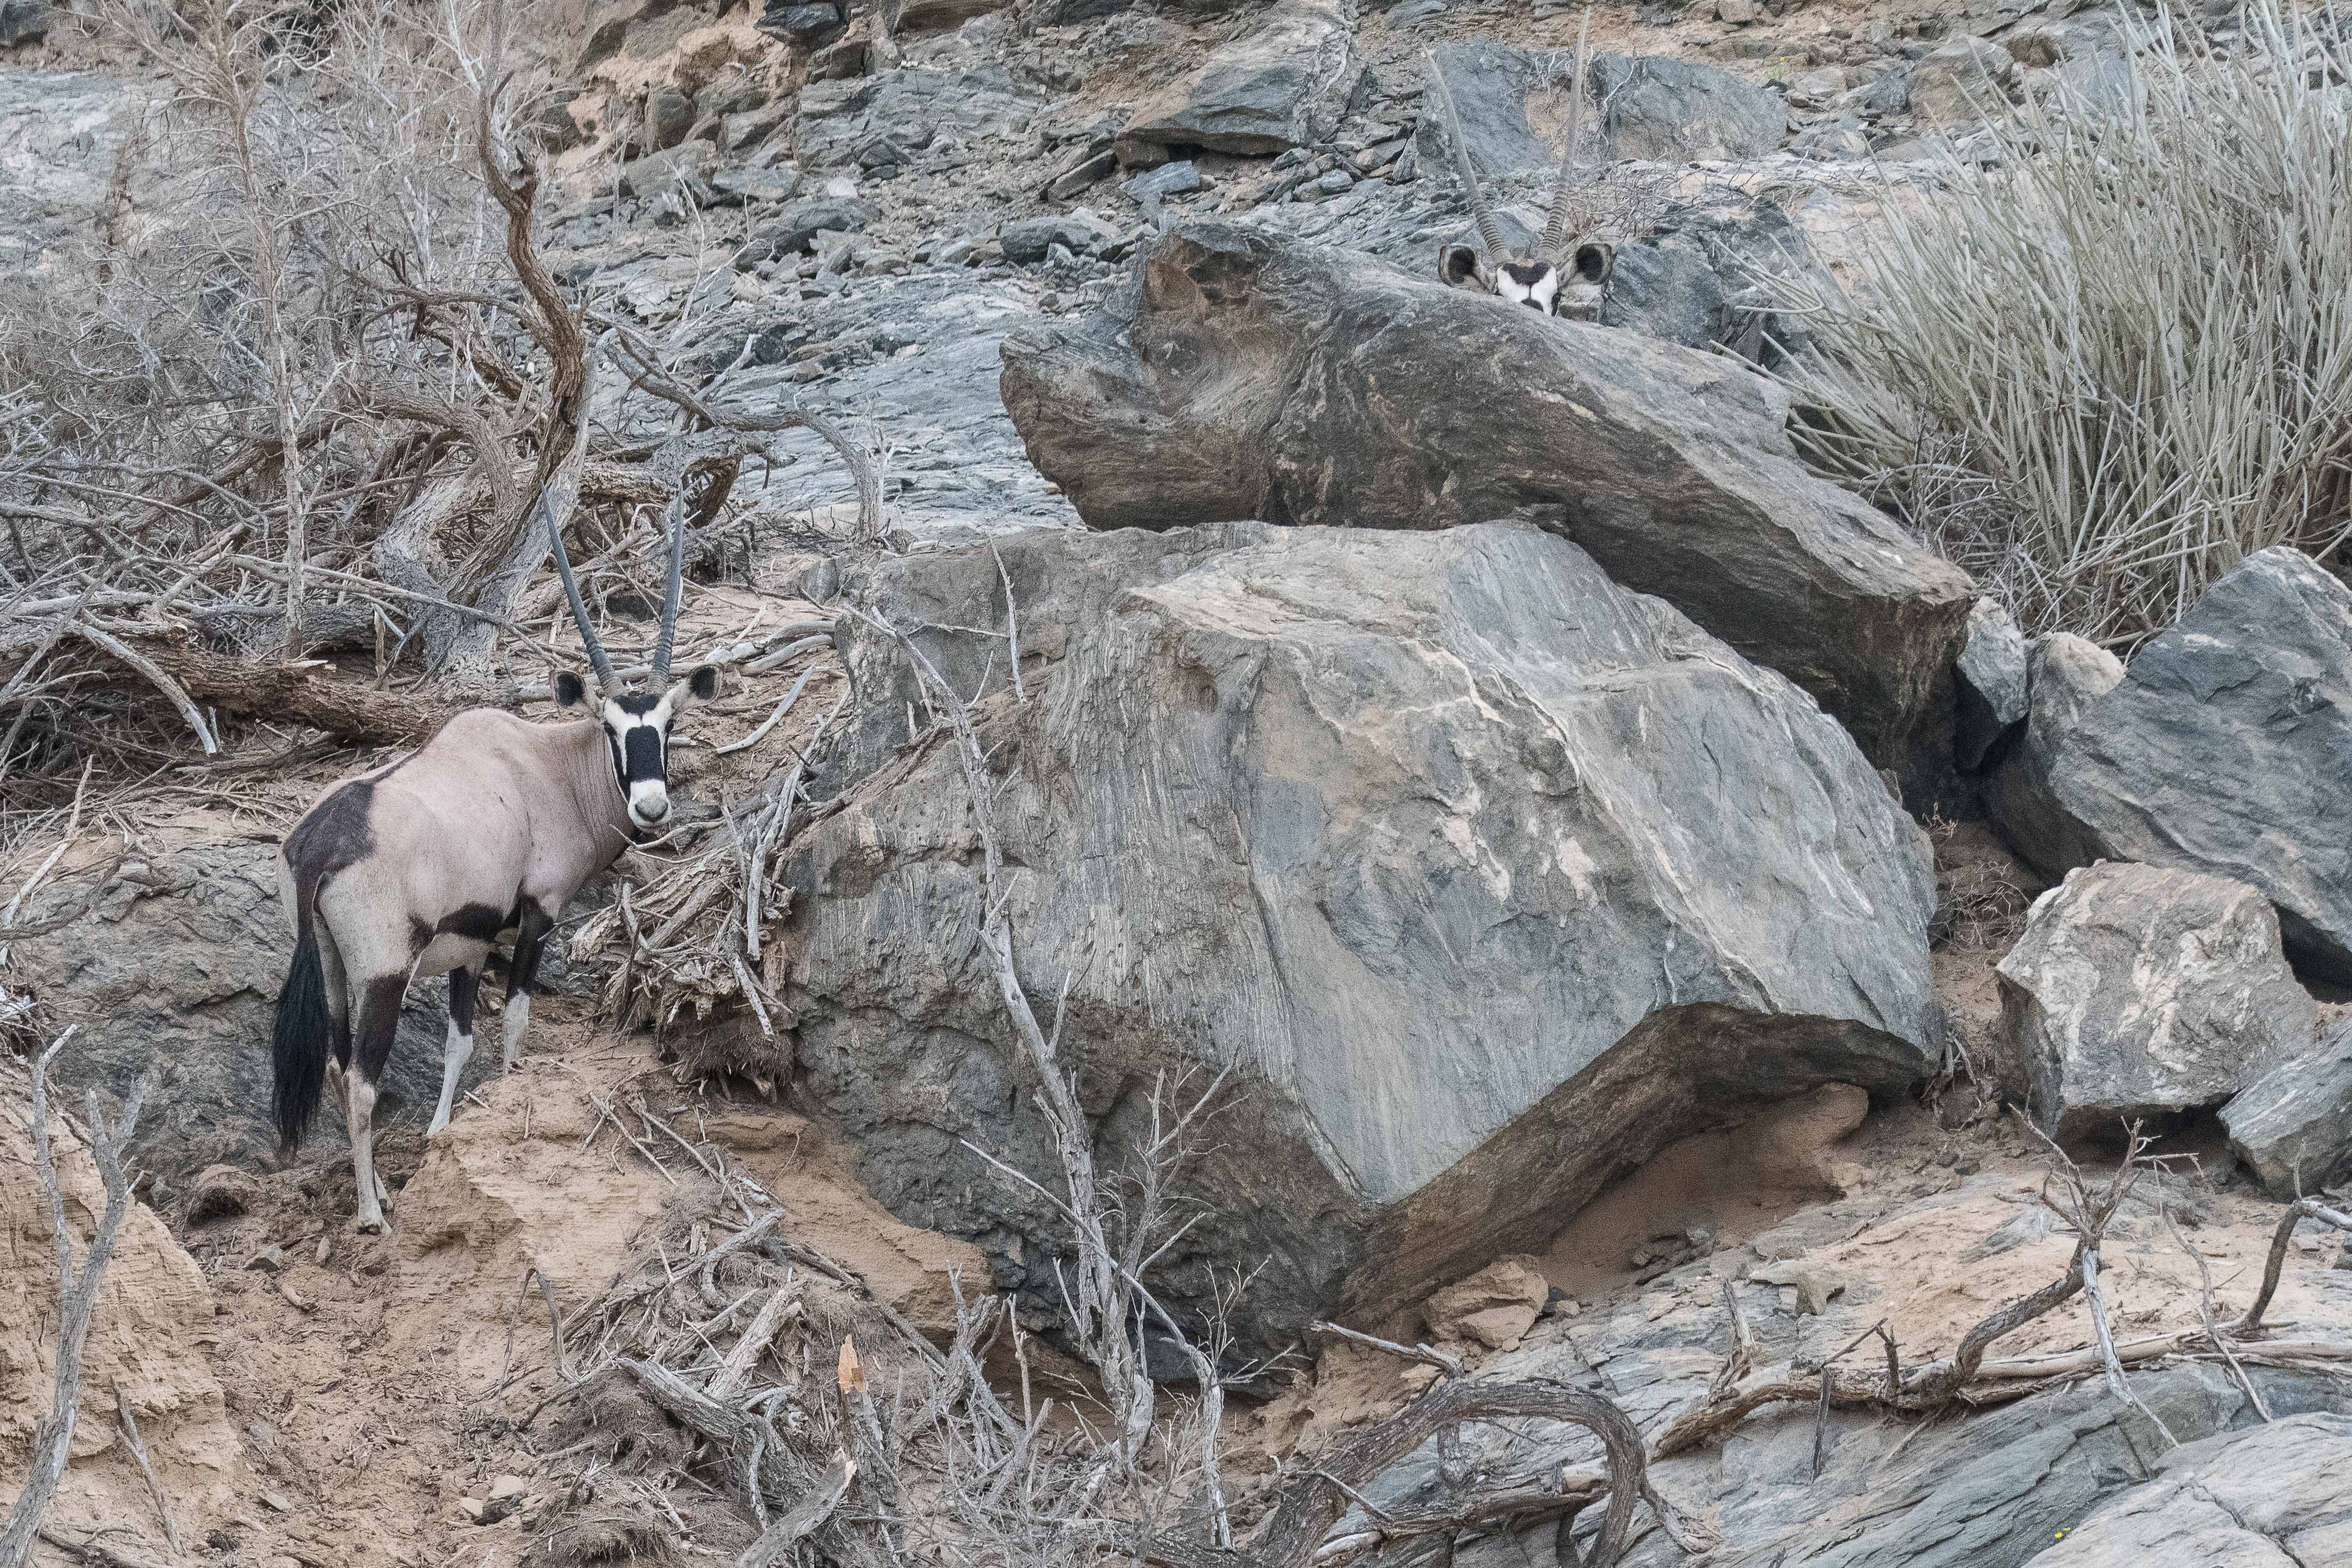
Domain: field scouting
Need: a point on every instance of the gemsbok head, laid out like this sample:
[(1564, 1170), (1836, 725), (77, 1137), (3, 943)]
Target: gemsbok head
[(418, 868), (1563, 261)]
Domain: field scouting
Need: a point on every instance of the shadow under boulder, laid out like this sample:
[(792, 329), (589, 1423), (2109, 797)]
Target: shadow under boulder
[(1486, 877), (1245, 377)]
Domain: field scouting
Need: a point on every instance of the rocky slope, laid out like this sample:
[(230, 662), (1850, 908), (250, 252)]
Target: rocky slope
[(1580, 969)]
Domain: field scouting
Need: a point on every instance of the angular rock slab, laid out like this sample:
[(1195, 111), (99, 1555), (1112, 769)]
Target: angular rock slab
[(1248, 377), (1653, 107), (1993, 683), (1697, 276), (1960, 82), (2275, 1496), (1286, 84), (1993, 1489), (1485, 876), (2137, 990), (2292, 1125), (1670, 110), (2225, 749), (837, 118), (2065, 676)]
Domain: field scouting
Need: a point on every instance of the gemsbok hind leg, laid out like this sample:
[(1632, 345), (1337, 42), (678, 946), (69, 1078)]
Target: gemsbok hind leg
[(339, 1018), (378, 1021), (465, 985)]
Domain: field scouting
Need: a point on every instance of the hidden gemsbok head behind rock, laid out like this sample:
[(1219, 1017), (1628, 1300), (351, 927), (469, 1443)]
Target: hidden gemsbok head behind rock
[(1562, 262)]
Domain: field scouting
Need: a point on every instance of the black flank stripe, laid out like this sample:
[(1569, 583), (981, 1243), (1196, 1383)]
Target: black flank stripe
[(474, 922)]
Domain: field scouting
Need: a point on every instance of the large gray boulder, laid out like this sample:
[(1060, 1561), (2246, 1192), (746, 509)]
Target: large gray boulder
[(1425, 836), (1653, 107), (1285, 84), (1244, 376), (2292, 1125), (174, 962), (2224, 748), (2275, 1496), (2141, 992)]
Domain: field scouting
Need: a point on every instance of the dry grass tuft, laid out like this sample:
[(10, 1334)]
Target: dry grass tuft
[(2101, 373)]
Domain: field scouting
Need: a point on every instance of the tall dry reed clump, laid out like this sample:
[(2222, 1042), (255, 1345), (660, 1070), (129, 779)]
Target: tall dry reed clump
[(2099, 372)]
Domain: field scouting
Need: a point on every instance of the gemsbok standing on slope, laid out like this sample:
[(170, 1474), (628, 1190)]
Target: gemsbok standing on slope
[(416, 870)]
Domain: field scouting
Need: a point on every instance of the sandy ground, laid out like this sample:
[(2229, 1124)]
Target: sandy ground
[(375, 1383)]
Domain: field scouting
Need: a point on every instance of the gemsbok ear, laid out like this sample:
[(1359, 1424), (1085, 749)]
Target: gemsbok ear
[(1457, 266), (570, 692), (1594, 261), (700, 686)]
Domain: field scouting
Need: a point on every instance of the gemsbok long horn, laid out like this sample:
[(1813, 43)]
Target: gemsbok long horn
[(606, 682), (1463, 167), (1555, 238), (673, 587)]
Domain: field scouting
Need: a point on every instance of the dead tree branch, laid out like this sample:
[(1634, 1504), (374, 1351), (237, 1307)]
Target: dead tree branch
[(1307, 1506), (78, 1288), (2298, 1211), (652, 379)]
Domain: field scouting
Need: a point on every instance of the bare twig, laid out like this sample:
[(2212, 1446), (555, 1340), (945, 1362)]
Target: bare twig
[(1450, 1365), (128, 1421), (78, 1288), (2298, 1211)]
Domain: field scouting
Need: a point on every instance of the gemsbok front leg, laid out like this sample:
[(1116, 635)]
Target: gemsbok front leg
[(465, 985), (523, 975)]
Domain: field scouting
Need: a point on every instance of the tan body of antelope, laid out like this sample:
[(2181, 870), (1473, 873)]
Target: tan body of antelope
[(1563, 261), (419, 868)]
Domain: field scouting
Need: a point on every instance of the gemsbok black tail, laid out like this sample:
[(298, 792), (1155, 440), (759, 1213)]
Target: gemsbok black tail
[(298, 1051)]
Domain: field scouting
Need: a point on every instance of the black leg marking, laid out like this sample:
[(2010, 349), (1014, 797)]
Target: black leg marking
[(379, 1022), (531, 925), (463, 984)]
